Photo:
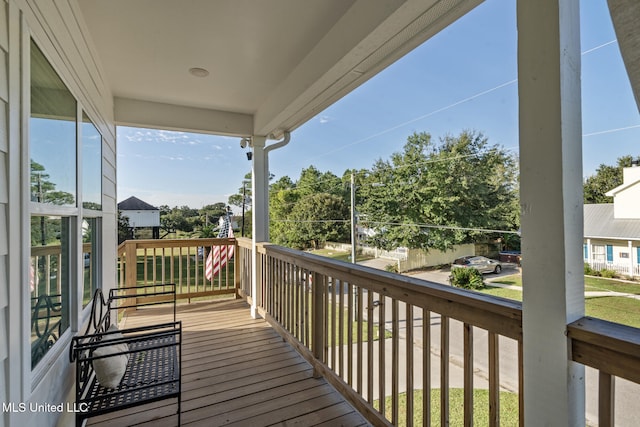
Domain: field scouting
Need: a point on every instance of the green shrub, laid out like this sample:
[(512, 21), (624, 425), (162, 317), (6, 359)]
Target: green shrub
[(467, 278), (608, 274), (393, 268), (588, 270)]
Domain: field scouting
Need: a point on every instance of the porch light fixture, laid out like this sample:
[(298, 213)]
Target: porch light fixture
[(198, 72)]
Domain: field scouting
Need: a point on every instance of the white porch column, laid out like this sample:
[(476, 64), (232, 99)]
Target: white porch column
[(260, 211), (630, 244), (551, 206), (589, 251)]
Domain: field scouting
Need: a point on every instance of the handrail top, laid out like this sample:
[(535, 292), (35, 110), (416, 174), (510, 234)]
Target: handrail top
[(602, 333), (329, 267)]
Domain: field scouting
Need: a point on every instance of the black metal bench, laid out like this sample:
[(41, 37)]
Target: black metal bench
[(154, 354)]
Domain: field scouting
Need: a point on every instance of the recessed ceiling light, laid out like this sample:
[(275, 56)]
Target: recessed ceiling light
[(199, 72)]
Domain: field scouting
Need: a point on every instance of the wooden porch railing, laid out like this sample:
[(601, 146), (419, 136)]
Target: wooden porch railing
[(179, 261), (328, 310), (612, 349)]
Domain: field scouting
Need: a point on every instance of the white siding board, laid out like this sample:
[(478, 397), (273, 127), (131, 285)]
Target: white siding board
[(3, 336), (4, 194), (4, 129), (3, 282), (4, 29), (4, 238), (4, 79)]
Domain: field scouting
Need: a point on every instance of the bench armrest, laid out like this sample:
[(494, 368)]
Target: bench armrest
[(141, 296)]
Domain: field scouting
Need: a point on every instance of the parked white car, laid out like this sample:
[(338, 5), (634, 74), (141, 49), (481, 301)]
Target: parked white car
[(480, 263)]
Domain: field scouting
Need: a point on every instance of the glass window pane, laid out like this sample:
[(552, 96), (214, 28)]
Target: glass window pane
[(49, 282), (89, 258), (52, 134), (91, 165)]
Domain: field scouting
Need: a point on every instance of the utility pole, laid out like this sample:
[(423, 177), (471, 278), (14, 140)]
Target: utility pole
[(354, 234)]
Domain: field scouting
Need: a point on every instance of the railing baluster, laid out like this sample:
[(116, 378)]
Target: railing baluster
[(395, 360), (341, 343), (370, 346), (350, 308), (360, 355), (426, 367), (334, 323), (494, 380), (606, 399), (382, 365), (520, 383), (325, 327), (409, 359), (444, 370), (318, 321), (468, 374)]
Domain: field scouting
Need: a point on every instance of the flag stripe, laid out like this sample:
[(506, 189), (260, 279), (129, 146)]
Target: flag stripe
[(218, 257)]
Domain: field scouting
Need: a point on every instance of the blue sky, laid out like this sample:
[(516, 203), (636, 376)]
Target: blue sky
[(463, 78)]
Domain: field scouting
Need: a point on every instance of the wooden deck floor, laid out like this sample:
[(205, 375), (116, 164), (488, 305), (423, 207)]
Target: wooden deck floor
[(236, 371)]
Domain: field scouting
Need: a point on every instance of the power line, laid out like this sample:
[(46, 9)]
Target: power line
[(443, 227), (602, 132), (439, 110)]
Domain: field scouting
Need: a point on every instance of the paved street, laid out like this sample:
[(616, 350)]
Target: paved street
[(627, 409)]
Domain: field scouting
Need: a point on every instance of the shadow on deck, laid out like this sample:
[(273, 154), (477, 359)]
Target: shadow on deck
[(236, 371)]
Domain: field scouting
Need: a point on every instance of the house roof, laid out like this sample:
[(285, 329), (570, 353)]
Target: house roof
[(135, 204), (272, 65), (600, 223)]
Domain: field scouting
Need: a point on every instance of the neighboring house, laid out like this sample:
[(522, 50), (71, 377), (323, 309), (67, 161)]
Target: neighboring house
[(612, 230), (141, 214)]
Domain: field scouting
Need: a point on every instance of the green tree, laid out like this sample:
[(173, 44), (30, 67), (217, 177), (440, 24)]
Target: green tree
[(316, 191), (44, 191), (283, 196), (606, 178), (124, 228), (316, 219), (433, 195)]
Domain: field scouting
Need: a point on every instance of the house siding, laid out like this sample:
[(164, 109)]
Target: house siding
[(58, 29), (4, 200)]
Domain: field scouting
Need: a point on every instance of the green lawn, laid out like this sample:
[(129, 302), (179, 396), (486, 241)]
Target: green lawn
[(508, 408), (614, 309), (339, 255)]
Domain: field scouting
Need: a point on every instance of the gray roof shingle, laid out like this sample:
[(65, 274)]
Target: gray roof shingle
[(600, 223), (135, 204)]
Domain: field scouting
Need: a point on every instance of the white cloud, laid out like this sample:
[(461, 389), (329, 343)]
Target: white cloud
[(325, 119)]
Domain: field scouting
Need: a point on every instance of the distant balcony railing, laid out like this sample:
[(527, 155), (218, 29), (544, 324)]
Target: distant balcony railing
[(431, 338), (179, 261)]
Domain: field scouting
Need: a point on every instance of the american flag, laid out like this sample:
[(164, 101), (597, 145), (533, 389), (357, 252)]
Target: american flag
[(219, 256)]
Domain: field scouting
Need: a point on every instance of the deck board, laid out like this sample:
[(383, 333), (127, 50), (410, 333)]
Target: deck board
[(236, 371)]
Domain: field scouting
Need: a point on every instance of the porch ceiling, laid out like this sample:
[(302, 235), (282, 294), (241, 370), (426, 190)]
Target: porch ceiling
[(273, 64)]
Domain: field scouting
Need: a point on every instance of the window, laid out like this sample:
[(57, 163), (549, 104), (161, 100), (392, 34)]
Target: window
[(585, 249), (52, 131), (66, 207), (598, 253), (609, 253), (90, 252), (49, 282)]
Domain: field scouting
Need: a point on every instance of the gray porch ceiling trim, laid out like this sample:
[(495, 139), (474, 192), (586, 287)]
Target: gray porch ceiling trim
[(157, 115)]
